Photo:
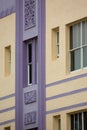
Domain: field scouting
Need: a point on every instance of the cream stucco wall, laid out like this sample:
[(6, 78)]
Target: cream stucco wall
[(60, 14), (7, 83)]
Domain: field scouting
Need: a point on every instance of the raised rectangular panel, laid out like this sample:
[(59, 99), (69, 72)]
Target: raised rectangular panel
[(30, 107), (30, 19)]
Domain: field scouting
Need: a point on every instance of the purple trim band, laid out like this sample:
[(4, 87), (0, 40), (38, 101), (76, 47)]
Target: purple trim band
[(67, 94), (8, 96), (7, 109), (7, 122), (67, 108), (67, 80)]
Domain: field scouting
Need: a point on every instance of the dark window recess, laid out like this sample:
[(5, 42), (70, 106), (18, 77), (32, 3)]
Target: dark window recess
[(79, 121), (29, 63), (33, 129)]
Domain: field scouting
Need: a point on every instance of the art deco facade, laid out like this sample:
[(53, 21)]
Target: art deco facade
[(50, 66), (59, 30)]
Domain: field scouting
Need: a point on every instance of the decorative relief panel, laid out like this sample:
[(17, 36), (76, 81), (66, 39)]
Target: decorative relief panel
[(30, 97), (30, 118), (30, 14)]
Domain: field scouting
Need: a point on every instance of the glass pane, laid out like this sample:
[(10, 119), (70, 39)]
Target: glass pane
[(57, 37), (57, 40), (59, 124), (85, 120), (57, 49), (72, 122), (29, 53), (76, 36), (80, 121), (75, 59), (85, 57), (32, 129), (30, 73), (84, 32), (71, 37), (76, 122)]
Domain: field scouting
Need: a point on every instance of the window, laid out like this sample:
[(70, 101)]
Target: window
[(57, 123), (7, 60), (55, 43), (78, 45), (32, 63), (7, 128), (79, 121)]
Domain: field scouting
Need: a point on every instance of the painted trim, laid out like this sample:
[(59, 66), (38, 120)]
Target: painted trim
[(67, 108), (67, 80), (66, 94), (7, 109), (19, 82), (41, 65), (8, 96), (7, 122)]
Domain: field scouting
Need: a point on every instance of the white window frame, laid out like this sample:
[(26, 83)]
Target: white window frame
[(80, 47), (33, 63)]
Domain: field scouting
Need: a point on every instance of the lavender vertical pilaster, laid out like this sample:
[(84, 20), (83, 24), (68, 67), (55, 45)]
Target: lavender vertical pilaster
[(41, 50), (19, 65), (30, 26)]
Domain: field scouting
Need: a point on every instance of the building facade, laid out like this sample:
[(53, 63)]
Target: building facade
[(50, 73), (66, 65), (7, 65), (30, 65)]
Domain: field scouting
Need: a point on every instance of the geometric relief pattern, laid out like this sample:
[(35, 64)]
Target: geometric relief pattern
[(30, 118), (30, 13), (30, 97)]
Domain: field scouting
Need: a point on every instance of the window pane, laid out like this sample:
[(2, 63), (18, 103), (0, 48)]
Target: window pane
[(30, 73), (72, 122), (85, 57), (85, 120), (75, 36), (84, 32), (59, 124), (80, 121), (76, 122), (57, 37), (32, 129), (29, 53), (57, 40), (75, 60)]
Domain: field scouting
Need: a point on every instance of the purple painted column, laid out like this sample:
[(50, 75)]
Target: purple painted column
[(41, 64), (19, 65)]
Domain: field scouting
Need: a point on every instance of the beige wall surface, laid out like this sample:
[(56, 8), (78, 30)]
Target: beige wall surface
[(61, 14), (7, 83), (7, 37)]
